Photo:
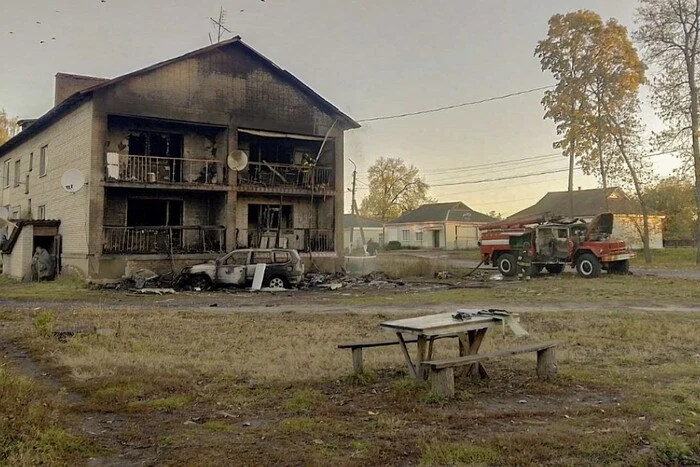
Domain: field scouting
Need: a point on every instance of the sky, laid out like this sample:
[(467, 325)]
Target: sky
[(370, 59)]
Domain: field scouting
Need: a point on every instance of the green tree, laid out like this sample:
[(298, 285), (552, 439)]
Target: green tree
[(595, 102), (674, 197), (669, 31), (8, 126), (395, 188)]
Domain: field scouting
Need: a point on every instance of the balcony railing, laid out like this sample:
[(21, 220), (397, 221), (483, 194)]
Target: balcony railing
[(164, 240), (314, 240), (150, 169), (265, 175)]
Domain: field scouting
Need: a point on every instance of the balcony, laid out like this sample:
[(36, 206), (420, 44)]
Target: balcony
[(263, 177), (130, 169), (304, 240), (163, 240)]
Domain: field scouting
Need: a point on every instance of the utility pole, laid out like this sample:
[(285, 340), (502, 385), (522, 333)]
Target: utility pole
[(353, 205)]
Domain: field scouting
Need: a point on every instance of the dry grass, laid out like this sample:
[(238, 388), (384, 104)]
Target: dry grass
[(30, 432), (628, 390)]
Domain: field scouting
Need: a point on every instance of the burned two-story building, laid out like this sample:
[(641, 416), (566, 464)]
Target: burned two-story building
[(185, 159)]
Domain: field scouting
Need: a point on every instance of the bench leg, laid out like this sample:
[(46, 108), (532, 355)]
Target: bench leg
[(443, 382), (546, 363), (357, 359)]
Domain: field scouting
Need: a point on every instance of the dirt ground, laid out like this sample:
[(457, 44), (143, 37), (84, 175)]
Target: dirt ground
[(234, 378)]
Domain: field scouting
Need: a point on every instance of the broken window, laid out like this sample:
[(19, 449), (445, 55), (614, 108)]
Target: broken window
[(269, 217), (153, 212), (154, 144)]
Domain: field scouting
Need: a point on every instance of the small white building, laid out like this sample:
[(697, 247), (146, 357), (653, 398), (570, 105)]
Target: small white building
[(628, 221), (450, 226), (371, 230)]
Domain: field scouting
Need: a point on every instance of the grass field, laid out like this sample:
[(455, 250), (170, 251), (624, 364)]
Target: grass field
[(203, 387), (677, 258)]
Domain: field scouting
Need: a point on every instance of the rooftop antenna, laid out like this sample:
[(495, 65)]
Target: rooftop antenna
[(220, 25)]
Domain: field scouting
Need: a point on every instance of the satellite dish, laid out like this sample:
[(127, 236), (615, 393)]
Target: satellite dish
[(72, 180), (237, 160)]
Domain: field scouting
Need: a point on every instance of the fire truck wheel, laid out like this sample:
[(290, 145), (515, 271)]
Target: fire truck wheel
[(588, 266), (506, 265), (555, 268)]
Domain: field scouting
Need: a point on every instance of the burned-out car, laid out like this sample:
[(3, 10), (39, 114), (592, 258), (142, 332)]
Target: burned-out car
[(283, 269)]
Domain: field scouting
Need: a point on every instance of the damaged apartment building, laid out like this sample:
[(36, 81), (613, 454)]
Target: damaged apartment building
[(178, 162)]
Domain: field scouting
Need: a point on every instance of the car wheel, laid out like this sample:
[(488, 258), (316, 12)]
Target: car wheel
[(201, 282), (588, 266), (506, 264), (276, 282)]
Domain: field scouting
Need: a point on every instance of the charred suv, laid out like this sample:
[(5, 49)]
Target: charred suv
[(552, 244), (283, 269)]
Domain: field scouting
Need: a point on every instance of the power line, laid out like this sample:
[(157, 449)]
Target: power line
[(454, 106), (497, 163)]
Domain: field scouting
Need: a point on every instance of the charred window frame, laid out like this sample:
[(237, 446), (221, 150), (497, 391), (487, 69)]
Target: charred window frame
[(155, 144)]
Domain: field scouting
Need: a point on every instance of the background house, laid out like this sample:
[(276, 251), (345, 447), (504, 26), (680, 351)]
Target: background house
[(372, 230), (153, 145), (589, 203), (442, 225)]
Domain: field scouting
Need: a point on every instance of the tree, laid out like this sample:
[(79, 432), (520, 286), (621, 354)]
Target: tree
[(8, 126), (595, 102), (669, 31), (674, 197), (495, 215), (395, 188)]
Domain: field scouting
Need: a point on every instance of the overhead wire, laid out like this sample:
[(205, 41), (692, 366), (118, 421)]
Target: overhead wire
[(454, 106)]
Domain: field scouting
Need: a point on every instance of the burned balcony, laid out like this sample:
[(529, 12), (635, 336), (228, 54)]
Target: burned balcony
[(304, 240), (164, 240), (125, 168), (286, 178)]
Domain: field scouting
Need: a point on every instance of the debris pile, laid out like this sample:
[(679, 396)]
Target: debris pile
[(342, 280)]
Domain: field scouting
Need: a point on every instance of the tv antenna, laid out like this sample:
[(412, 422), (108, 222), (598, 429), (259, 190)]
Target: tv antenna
[(220, 25)]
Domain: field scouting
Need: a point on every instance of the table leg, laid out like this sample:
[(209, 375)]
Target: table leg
[(475, 340), (407, 356), (422, 348)]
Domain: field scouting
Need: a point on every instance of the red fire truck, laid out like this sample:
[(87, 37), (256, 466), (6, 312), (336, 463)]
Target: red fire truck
[(553, 243)]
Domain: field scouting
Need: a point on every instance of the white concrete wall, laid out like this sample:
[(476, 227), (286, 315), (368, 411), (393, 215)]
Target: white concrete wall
[(19, 263), (375, 234), (625, 228), (69, 147)]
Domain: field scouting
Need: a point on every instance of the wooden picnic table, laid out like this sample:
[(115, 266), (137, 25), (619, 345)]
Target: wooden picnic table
[(470, 331)]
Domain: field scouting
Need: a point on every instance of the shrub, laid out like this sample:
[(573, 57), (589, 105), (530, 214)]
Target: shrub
[(393, 245)]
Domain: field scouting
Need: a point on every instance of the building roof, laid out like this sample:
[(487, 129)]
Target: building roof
[(86, 94), (455, 211), (587, 203), (351, 220)]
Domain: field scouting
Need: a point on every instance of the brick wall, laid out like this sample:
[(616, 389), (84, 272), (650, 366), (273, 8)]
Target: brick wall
[(68, 147)]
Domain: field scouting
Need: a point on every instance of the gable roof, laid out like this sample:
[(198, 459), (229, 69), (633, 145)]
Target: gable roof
[(586, 203), (86, 94), (455, 211), (351, 220)]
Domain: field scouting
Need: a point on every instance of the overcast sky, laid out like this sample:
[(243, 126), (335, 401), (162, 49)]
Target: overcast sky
[(370, 58)]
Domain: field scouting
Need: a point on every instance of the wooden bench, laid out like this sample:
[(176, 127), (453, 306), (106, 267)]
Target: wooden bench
[(442, 371), (357, 347)]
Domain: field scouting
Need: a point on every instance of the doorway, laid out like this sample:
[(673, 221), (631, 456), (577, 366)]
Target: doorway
[(436, 238)]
